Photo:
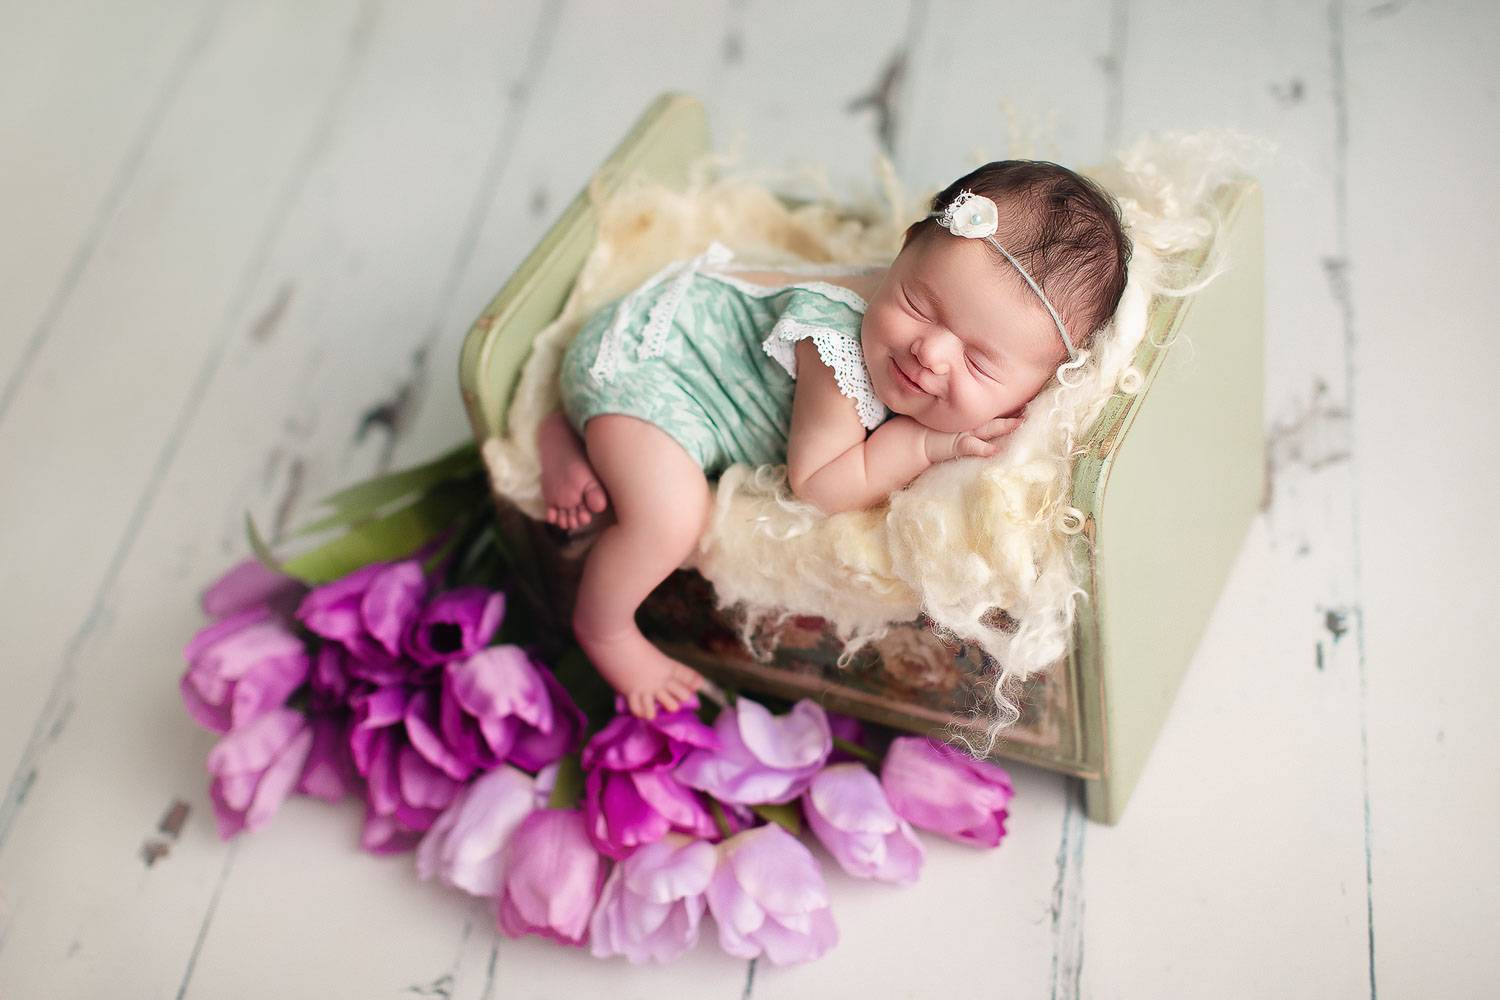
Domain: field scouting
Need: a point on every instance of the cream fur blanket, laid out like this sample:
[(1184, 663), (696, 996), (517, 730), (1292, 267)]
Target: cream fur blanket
[(966, 537)]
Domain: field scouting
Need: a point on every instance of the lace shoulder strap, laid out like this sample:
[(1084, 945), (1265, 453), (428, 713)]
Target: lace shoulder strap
[(838, 347)]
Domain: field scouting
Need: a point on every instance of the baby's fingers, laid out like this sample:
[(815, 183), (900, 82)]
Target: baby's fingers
[(969, 446), (999, 427)]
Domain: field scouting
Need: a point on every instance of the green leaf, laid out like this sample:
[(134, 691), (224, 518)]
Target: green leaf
[(854, 749), (720, 820), (785, 816), (363, 500), (394, 536), (568, 791), (259, 547)]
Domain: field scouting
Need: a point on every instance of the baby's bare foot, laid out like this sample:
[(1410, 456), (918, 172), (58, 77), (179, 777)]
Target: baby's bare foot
[(642, 673), (572, 491)]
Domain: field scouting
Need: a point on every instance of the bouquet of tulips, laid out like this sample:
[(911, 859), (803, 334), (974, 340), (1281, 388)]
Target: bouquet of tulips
[(384, 665)]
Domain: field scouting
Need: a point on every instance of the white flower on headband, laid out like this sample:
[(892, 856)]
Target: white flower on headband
[(971, 215)]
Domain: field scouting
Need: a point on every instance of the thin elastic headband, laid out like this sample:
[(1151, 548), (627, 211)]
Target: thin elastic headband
[(979, 221)]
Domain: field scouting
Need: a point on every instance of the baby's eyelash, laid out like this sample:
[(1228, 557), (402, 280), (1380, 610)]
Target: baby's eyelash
[(970, 358)]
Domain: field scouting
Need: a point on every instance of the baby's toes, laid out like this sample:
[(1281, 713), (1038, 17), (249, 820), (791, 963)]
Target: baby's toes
[(642, 704), (594, 498), (687, 676), (677, 689), (581, 515)]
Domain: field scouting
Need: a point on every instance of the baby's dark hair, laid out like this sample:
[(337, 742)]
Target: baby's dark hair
[(1066, 232)]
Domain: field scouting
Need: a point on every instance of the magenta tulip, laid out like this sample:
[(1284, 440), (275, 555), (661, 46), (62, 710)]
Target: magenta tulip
[(369, 611), (849, 814), (939, 788), (653, 901), (455, 625), (552, 878), (250, 583)]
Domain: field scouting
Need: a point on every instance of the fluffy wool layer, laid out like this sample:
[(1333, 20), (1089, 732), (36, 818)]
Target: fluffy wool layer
[(967, 536)]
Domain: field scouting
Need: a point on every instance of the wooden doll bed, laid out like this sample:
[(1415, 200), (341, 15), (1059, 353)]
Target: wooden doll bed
[(1170, 480)]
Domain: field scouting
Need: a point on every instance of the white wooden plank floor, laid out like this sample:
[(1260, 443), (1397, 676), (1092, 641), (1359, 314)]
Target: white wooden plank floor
[(242, 242)]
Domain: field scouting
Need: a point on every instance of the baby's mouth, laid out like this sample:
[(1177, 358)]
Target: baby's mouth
[(907, 382)]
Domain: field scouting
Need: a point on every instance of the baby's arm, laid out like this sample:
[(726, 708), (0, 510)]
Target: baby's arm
[(834, 466)]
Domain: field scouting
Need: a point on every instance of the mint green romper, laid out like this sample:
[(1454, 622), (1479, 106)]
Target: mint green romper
[(710, 358)]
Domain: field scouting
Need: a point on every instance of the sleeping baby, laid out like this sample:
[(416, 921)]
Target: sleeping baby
[(857, 379)]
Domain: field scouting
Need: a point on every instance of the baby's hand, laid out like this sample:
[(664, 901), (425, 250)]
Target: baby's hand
[(983, 441)]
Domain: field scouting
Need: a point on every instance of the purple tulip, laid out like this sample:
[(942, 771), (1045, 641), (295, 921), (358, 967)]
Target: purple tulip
[(762, 758), (406, 791), (255, 768), (768, 897), (487, 698), (848, 729), (626, 809), (630, 794), (369, 611), (466, 846), (241, 668), (251, 584), (653, 901), (536, 748), (552, 878), (628, 743), (329, 771), (938, 788), (848, 812), (455, 625)]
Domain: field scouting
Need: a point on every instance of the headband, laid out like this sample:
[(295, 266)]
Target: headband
[(975, 217)]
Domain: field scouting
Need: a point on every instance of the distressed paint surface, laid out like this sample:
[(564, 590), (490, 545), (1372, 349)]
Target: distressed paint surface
[(244, 241)]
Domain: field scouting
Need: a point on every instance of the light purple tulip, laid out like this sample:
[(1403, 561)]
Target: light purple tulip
[(552, 878), (762, 758), (653, 901), (768, 897), (369, 611), (252, 584), (241, 668), (455, 625), (849, 814), (939, 788), (466, 846), (255, 768)]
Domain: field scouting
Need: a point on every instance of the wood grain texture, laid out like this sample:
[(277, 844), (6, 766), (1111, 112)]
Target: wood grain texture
[(252, 234)]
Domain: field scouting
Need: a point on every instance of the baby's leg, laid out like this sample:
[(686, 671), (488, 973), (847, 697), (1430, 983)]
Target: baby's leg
[(569, 486), (661, 502)]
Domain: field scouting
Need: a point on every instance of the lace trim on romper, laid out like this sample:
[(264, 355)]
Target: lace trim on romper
[(836, 348)]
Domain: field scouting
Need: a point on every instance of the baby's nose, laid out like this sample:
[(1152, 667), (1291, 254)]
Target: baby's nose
[(929, 358)]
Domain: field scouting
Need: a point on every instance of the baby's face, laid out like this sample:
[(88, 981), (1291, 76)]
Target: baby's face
[(953, 341)]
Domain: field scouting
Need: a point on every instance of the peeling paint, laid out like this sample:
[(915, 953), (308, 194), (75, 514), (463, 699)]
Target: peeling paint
[(266, 325), (734, 48), (1316, 437), (1335, 621), (175, 817), (394, 414), (1289, 94), (295, 474), (1318, 651), (883, 100), (538, 202)]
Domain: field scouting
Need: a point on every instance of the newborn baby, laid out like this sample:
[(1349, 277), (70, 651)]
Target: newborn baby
[(857, 379)]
